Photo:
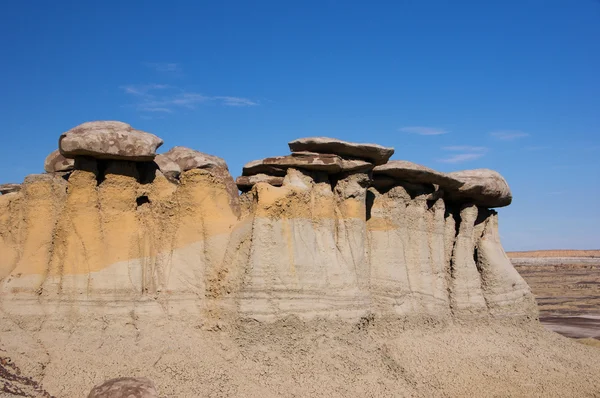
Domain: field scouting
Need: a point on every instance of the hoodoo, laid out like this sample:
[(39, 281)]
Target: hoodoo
[(337, 232), (336, 272)]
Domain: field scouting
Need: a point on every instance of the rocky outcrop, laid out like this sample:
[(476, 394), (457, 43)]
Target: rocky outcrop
[(313, 235), (125, 387), (482, 187), (9, 188), (245, 183), (109, 140), (373, 153), (55, 162), (402, 170), (168, 167)]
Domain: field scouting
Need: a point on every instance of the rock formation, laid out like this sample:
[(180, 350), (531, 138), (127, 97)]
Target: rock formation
[(333, 230)]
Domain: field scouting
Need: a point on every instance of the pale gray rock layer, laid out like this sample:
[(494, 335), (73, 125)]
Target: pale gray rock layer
[(109, 140), (373, 153)]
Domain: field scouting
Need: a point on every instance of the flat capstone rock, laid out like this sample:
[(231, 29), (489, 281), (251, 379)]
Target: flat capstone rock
[(373, 153), (109, 140), (483, 187), (9, 188), (403, 170)]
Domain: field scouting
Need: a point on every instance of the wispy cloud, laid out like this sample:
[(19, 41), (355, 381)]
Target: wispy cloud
[(508, 135), (143, 89), (421, 130), (465, 148), (168, 67), (163, 98), (235, 101), (461, 157), (469, 152)]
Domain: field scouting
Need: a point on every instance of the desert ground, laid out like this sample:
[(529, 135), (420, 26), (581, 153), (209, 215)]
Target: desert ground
[(566, 285)]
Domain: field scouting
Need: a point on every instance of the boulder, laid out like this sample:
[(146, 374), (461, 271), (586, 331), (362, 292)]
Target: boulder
[(483, 187), (125, 387), (109, 140), (55, 162), (189, 159), (403, 170), (373, 153), (9, 188), (167, 166), (245, 183)]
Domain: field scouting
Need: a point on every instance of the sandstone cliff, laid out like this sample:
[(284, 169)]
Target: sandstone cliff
[(337, 234)]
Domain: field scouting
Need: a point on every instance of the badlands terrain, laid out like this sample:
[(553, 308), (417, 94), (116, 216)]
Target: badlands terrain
[(566, 284), (336, 272)]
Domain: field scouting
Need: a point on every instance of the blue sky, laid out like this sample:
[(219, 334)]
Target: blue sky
[(508, 85)]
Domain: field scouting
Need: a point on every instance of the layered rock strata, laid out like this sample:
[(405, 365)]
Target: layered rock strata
[(323, 234)]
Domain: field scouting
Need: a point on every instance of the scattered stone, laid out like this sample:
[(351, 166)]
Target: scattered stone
[(9, 188), (56, 162), (168, 167), (125, 387), (109, 140), (483, 187), (373, 153), (402, 170), (189, 159), (245, 183)]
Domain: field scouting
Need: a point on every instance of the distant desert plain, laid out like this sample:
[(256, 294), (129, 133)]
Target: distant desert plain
[(566, 285)]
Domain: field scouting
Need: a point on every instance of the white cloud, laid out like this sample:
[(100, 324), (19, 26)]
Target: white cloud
[(420, 130), (508, 135), (163, 98), (461, 157), (143, 89), (169, 67), (235, 101), (469, 152)]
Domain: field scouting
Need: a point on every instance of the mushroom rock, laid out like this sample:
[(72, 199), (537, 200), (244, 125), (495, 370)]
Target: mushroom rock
[(317, 237), (55, 162), (109, 140), (483, 187), (373, 153), (9, 188), (403, 170)]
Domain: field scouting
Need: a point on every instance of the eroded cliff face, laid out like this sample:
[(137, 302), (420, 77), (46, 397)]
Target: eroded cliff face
[(117, 236)]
